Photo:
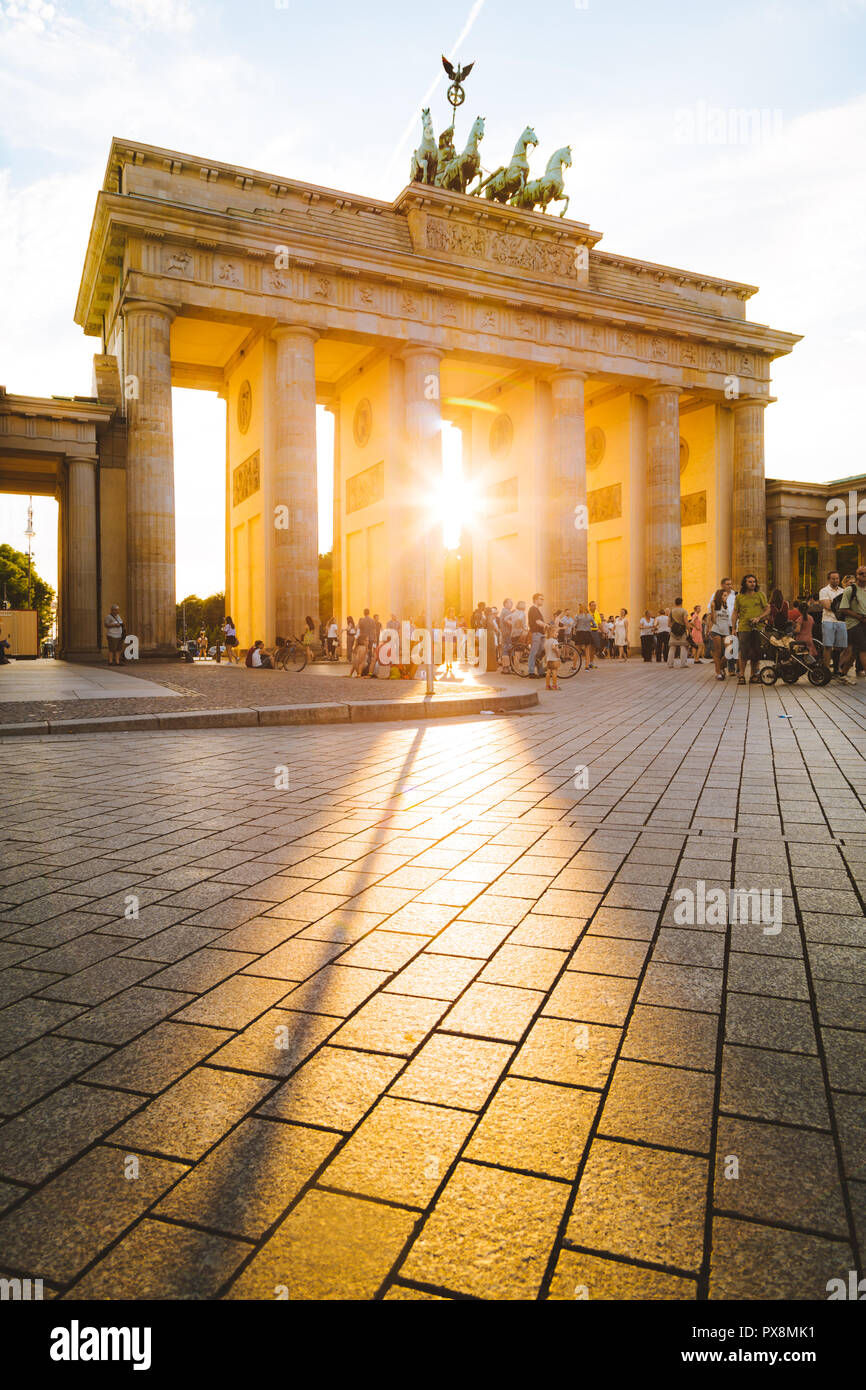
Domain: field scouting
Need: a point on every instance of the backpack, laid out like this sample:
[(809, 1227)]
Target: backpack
[(834, 603)]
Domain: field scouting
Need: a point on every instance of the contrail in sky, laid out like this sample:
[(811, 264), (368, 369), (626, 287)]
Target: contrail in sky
[(425, 100)]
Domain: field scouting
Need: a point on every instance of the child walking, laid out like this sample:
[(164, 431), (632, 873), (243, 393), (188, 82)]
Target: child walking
[(551, 657)]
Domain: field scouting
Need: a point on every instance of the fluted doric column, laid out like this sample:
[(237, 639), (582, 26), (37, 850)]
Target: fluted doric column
[(82, 619), (664, 554), (337, 544), (567, 514), (295, 489), (150, 476), (782, 579), (749, 501), (827, 542), (420, 531)]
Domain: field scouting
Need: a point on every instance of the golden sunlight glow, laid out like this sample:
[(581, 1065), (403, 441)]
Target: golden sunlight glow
[(455, 502), (468, 403)]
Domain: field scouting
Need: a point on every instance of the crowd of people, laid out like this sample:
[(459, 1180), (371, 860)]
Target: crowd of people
[(730, 632)]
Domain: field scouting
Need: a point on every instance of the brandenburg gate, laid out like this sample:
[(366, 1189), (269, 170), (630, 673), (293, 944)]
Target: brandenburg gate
[(611, 409)]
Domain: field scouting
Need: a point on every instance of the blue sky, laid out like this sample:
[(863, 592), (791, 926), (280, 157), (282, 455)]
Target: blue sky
[(325, 93)]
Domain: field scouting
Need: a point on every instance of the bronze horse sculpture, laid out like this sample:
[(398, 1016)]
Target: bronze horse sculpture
[(503, 182), (547, 189), (425, 159), (459, 172)]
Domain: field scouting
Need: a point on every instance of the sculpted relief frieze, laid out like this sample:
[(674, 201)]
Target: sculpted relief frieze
[(473, 312), (483, 243)]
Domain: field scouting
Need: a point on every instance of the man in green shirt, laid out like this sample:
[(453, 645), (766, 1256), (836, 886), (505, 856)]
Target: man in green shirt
[(852, 607), (750, 607)]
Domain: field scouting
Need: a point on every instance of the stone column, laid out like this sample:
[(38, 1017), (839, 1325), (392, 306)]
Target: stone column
[(568, 518), (749, 502), (782, 578), (337, 544), (294, 495), (827, 543), (150, 477), (419, 535), (664, 555), (82, 626)]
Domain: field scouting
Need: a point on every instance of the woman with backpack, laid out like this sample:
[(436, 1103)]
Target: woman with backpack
[(679, 642)]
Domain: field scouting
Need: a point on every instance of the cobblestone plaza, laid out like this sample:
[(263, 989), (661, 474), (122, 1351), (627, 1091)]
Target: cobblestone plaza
[(410, 1011)]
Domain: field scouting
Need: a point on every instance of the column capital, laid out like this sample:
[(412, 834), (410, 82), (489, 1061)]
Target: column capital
[(742, 401), (660, 388), (569, 373), (82, 458), (147, 306), (294, 330), (414, 349)]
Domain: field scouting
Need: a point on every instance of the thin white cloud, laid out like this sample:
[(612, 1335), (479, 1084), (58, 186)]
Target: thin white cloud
[(164, 16), (33, 15)]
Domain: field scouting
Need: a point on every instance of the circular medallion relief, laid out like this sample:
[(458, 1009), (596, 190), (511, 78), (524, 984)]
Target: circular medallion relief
[(684, 455), (595, 446), (245, 407), (363, 423), (501, 436)]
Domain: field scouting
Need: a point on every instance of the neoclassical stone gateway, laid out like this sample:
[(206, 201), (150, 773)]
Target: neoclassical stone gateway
[(611, 409)]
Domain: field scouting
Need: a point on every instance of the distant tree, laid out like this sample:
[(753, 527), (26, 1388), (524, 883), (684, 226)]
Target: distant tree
[(207, 613), (13, 587), (326, 586)]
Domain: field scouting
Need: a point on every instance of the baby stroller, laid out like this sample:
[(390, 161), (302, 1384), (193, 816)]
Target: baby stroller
[(787, 658)]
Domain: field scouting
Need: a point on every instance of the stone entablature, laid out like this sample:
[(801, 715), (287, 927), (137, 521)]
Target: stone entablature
[(805, 501), (456, 272)]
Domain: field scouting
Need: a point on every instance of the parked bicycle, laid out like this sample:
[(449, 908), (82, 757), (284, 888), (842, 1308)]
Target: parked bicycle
[(291, 654), (570, 659)]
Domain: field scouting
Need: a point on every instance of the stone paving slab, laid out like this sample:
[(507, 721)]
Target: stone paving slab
[(430, 1022)]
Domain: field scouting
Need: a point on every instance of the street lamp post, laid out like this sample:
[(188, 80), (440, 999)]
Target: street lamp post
[(428, 608), (29, 533)]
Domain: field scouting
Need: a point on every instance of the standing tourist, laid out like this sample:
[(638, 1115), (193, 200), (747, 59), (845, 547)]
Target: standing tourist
[(696, 629), (853, 606), (647, 635), (449, 643), (351, 634), (368, 635), (779, 614), (491, 623), (551, 658), (231, 642), (750, 607), (581, 634), (719, 630), (833, 631), (620, 634), (333, 638), (679, 634), (663, 634), (726, 584), (505, 621), (536, 625), (115, 633), (727, 587), (596, 634)]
